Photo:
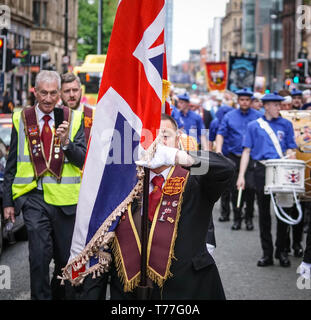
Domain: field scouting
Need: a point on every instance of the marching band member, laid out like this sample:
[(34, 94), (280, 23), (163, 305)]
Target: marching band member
[(259, 146)]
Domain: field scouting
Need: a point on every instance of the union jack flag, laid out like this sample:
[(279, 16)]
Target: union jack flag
[(129, 102)]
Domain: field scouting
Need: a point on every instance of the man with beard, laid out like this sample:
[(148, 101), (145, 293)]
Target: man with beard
[(71, 95)]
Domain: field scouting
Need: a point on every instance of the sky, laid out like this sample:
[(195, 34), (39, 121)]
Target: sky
[(191, 21)]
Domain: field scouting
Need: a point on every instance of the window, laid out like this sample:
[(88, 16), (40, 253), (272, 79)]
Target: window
[(43, 23), (36, 13)]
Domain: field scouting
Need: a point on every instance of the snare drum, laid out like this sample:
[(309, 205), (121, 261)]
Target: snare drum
[(285, 176), (301, 120)]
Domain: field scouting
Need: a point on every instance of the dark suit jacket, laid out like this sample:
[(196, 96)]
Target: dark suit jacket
[(307, 254), (75, 154), (195, 275)]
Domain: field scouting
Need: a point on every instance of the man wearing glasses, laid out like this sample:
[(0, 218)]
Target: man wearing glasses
[(42, 178)]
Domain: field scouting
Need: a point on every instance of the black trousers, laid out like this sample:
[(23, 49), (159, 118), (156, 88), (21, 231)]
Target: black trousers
[(265, 216), (248, 195), (49, 234), (297, 229), (225, 204)]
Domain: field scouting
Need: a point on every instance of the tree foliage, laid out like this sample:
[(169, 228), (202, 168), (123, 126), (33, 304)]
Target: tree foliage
[(88, 22)]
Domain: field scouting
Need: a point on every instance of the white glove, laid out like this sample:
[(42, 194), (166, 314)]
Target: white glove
[(164, 156), (305, 270), (210, 248)]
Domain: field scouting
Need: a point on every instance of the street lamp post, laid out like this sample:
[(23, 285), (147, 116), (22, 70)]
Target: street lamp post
[(100, 27)]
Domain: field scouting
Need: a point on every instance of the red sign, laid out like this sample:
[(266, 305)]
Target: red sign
[(216, 75)]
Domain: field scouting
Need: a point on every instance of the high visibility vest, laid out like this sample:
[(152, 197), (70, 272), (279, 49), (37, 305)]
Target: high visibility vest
[(59, 193)]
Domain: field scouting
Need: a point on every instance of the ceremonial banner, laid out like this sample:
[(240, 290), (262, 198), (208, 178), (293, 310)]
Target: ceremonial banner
[(126, 121), (242, 72), (216, 75)]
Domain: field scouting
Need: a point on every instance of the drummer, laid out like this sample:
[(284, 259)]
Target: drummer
[(259, 146)]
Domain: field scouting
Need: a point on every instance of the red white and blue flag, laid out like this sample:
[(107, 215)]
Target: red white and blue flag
[(128, 107)]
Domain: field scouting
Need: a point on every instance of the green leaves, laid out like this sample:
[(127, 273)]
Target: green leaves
[(88, 22)]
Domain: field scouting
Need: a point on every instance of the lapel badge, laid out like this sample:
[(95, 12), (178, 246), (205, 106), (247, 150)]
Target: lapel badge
[(175, 203), (57, 149), (162, 217), (34, 141), (56, 156), (164, 203), (170, 220)]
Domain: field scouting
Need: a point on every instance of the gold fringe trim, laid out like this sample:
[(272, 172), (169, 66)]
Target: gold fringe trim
[(128, 285), (166, 87), (100, 240)]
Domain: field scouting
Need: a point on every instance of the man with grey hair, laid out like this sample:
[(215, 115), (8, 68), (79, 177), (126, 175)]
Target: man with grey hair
[(71, 96), (42, 178)]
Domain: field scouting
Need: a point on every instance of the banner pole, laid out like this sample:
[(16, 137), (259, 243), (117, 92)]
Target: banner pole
[(143, 291)]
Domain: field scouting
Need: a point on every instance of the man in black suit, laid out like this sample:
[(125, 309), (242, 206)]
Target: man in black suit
[(42, 178), (179, 265), (305, 266)]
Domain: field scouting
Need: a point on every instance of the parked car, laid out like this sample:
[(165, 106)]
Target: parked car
[(18, 230)]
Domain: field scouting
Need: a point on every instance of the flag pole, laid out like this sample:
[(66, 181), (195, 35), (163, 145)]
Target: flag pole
[(143, 291)]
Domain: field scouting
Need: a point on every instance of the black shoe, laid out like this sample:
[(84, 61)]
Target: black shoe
[(236, 226), (265, 261), (298, 251), (249, 225), (223, 219), (284, 261)]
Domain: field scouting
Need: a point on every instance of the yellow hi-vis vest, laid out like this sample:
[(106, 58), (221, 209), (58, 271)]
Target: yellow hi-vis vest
[(59, 193)]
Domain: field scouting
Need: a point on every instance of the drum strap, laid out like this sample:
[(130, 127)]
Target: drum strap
[(265, 126)]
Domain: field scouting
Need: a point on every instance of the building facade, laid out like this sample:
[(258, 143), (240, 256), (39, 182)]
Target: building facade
[(231, 29), (38, 27), (18, 37), (48, 32)]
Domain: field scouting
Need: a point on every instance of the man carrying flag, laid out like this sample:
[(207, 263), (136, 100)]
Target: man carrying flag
[(126, 123)]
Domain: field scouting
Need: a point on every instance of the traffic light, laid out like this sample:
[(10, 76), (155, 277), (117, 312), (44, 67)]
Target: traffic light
[(44, 61), (2, 53), (302, 66), (288, 82)]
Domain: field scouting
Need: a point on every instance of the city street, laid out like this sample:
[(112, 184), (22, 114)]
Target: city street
[(236, 256)]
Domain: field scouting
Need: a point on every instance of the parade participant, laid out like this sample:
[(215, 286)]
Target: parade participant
[(287, 104), (71, 93), (196, 106), (233, 128), (297, 99), (259, 146), (42, 178), (192, 123), (180, 208), (225, 197), (305, 266), (257, 103)]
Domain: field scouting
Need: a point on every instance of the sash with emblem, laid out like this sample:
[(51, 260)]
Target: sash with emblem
[(88, 121), (55, 163), (160, 251)]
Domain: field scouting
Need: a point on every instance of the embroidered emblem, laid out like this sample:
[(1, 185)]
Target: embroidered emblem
[(173, 186), (87, 122), (33, 130)]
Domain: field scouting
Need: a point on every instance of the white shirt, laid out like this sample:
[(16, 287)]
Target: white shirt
[(164, 173), (40, 116)]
